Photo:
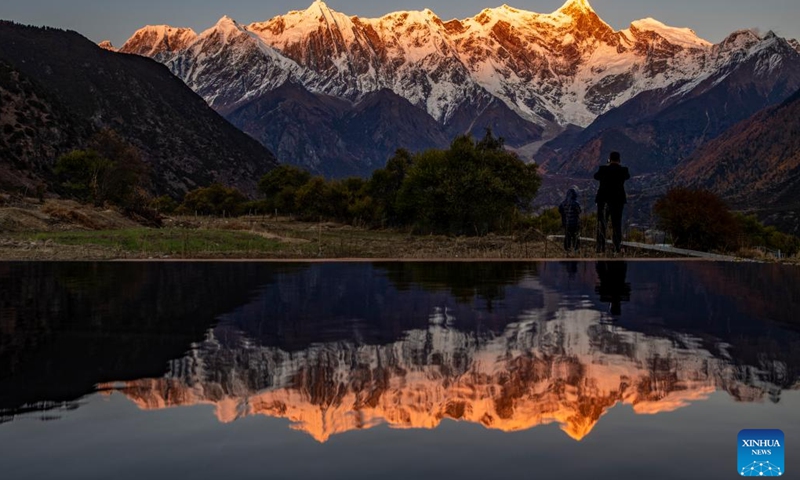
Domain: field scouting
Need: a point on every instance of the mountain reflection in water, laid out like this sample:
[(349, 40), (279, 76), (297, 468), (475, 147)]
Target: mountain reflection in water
[(341, 347)]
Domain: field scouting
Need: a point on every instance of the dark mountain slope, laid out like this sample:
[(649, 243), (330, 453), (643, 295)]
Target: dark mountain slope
[(755, 165), (34, 129), (299, 126), (475, 117), (333, 137), (185, 141), (382, 122)]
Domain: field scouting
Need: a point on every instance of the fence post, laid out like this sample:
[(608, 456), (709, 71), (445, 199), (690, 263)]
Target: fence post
[(545, 245)]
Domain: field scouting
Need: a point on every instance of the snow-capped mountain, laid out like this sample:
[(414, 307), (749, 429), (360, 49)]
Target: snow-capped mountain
[(564, 67), (107, 45), (504, 66), (160, 42)]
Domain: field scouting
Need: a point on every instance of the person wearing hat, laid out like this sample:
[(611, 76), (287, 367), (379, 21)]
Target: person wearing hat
[(611, 199)]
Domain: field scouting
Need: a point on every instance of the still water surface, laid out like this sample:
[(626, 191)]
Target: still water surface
[(394, 370)]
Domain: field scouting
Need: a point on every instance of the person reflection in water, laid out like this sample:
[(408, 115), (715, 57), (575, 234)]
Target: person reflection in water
[(611, 286)]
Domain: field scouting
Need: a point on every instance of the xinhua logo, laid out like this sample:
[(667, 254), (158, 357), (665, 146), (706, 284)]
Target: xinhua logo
[(761, 453)]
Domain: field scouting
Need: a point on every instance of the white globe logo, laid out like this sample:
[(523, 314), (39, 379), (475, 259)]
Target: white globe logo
[(761, 469)]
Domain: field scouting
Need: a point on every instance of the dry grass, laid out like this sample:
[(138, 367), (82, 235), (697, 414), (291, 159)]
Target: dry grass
[(58, 215), (72, 216), (14, 219), (761, 256)]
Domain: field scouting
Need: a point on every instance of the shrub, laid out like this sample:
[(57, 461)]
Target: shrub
[(216, 199), (756, 234), (549, 222), (697, 219), (636, 235), (164, 204)]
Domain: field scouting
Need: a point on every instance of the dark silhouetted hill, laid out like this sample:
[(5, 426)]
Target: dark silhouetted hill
[(58, 88)]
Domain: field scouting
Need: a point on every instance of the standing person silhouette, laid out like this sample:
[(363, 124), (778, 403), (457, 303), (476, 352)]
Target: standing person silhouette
[(570, 210), (612, 287), (611, 200)]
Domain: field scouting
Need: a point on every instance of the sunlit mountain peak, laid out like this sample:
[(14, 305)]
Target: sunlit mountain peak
[(226, 20), (318, 7), (572, 7), (107, 45), (225, 26), (152, 40)]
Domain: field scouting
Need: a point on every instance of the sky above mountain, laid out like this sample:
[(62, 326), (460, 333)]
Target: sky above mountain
[(116, 20)]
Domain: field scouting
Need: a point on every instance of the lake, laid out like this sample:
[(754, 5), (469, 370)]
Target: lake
[(394, 370)]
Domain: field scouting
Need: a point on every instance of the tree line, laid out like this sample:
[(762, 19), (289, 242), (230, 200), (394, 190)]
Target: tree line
[(471, 188)]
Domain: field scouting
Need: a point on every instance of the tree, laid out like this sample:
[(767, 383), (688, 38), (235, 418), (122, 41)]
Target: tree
[(110, 170), (697, 219), (490, 142), (471, 188), (124, 182), (385, 185), (82, 173), (280, 186), (355, 203), (313, 199)]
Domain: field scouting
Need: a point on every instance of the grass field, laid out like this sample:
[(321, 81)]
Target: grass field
[(166, 241)]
